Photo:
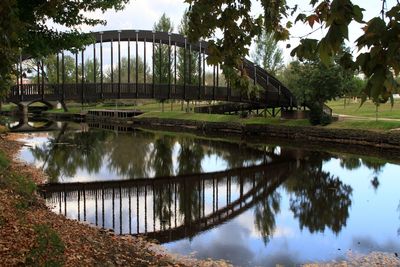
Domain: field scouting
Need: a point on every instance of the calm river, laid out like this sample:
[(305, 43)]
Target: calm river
[(250, 204)]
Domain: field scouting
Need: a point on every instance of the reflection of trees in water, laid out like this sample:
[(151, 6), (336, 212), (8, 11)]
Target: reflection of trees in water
[(317, 198), (350, 162), (190, 156), (264, 215), (66, 152), (140, 154), (354, 162), (160, 157), (128, 154), (375, 165)]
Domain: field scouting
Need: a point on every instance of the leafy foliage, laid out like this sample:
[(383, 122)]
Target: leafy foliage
[(24, 29), (380, 63)]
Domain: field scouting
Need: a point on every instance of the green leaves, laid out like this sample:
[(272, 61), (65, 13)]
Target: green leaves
[(306, 49), (23, 25)]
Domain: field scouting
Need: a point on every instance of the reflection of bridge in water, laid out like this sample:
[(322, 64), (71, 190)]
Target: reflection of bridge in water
[(169, 208), (25, 124)]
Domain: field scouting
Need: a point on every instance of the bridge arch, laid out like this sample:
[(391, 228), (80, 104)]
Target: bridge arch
[(25, 124), (274, 93), (49, 104)]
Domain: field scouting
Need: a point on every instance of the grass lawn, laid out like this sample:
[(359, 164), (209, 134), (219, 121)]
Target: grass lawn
[(368, 109), (8, 107), (372, 125)]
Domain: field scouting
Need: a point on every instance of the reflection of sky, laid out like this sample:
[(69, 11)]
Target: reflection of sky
[(210, 162), (372, 225)]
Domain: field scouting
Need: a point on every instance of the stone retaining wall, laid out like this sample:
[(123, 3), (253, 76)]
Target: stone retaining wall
[(390, 140)]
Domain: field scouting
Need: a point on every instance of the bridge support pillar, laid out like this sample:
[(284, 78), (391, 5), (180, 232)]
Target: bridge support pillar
[(23, 108), (64, 106)]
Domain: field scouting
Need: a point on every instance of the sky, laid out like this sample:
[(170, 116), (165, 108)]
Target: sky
[(142, 14)]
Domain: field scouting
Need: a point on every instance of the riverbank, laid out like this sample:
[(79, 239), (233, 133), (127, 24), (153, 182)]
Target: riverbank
[(30, 234), (375, 139), (367, 133), (84, 245)]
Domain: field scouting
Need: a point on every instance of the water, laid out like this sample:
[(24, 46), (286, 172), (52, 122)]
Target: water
[(250, 204)]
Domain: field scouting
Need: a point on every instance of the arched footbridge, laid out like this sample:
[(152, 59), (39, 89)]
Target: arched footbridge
[(107, 49)]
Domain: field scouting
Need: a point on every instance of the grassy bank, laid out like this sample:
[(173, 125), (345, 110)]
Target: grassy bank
[(366, 114), (367, 110)]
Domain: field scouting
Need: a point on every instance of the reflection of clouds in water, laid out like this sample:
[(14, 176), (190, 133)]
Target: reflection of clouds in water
[(232, 241), (247, 221), (280, 258), (229, 242), (366, 244)]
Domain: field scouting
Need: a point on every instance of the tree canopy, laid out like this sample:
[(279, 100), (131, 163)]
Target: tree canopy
[(24, 28), (162, 55), (380, 62)]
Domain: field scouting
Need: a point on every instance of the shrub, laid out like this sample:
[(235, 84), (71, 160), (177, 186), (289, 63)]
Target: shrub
[(325, 119), (317, 115)]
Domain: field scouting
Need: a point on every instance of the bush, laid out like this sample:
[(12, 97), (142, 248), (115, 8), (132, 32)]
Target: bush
[(244, 114), (317, 116), (325, 119), (315, 113)]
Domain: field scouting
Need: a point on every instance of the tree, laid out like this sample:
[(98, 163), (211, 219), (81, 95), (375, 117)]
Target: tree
[(162, 55), (380, 61), (90, 72), (24, 29), (191, 60), (124, 71), (50, 63), (267, 54), (313, 84)]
